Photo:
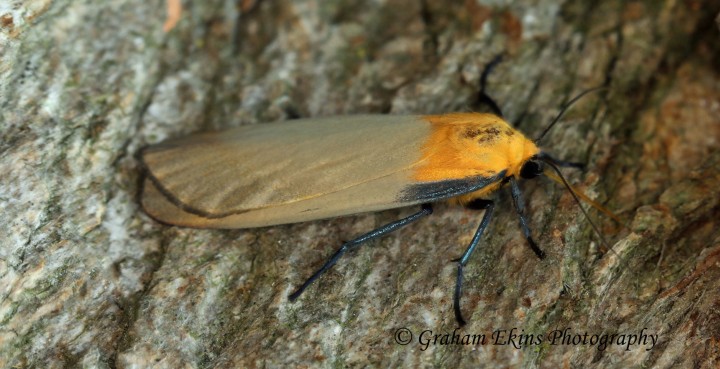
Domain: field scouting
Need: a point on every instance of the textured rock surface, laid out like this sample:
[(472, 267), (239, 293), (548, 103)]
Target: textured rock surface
[(86, 279)]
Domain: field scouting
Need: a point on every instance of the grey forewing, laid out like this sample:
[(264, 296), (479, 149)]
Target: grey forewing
[(215, 175)]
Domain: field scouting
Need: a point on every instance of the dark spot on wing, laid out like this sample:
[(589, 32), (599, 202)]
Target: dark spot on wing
[(471, 133), (482, 135), (485, 134), (490, 135)]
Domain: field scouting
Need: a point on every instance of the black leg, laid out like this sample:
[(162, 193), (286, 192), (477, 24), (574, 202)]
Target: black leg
[(426, 210), (520, 208), (488, 205)]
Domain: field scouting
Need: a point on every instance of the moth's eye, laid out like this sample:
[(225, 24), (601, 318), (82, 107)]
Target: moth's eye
[(531, 169)]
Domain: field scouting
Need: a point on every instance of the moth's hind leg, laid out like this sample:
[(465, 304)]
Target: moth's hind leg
[(426, 210)]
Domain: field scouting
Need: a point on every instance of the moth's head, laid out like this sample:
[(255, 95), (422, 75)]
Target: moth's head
[(539, 164), (532, 168)]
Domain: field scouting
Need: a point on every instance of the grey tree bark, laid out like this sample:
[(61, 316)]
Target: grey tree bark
[(87, 279)]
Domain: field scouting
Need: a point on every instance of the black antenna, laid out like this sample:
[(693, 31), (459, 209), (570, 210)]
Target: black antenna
[(483, 98), (564, 108)]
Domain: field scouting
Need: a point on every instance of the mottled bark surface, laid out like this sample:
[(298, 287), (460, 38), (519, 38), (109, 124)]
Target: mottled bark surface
[(87, 279)]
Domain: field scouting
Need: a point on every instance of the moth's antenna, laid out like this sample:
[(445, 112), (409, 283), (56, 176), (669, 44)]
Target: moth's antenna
[(564, 108), (577, 200), (588, 200), (483, 98)]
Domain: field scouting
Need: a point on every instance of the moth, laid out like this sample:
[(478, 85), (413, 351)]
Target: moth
[(317, 168)]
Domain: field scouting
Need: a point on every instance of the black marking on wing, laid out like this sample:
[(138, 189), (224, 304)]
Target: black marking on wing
[(185, 207), (432, 191), (485, 136), (175, 200)]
